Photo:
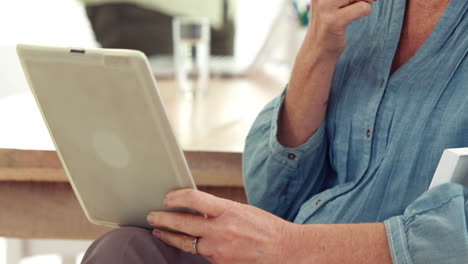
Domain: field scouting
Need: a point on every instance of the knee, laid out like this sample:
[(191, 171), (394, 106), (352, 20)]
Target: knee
[(123, 234), (116, 243), (127, 236)]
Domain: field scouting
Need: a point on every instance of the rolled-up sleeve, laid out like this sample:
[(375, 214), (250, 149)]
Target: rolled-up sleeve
[(279, 179), (433, 229)]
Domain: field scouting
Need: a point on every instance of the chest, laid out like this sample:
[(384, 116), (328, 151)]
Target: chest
[(373, 116), (421, 17), (387, 133)]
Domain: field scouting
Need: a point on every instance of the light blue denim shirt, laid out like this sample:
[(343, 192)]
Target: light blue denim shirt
[(374, 156)]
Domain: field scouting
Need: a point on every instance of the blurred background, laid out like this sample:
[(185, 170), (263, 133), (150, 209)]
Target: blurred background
[(244, 34), (248, 37)]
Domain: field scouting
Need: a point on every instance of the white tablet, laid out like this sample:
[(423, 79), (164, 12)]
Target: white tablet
[(110, 129), (453, 167)]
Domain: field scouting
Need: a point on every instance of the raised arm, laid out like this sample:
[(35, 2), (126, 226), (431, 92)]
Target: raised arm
[(285, 160), (306, 98)]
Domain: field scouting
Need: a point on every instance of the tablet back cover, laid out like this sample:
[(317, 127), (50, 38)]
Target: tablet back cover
[(109, 126)]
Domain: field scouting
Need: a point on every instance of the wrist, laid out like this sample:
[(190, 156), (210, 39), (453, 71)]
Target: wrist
[(322, 50), (311, 58), (318, 53), (292, 245), (339, 243)]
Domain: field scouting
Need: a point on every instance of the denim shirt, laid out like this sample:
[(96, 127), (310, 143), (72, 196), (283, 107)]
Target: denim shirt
[(374, 156)]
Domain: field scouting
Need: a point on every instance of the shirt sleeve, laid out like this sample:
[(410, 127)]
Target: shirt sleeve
[(433, 229), (278, 179)]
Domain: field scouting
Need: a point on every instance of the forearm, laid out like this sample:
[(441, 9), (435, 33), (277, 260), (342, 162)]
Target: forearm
[(341, 243), (306, 98), (309, 87)]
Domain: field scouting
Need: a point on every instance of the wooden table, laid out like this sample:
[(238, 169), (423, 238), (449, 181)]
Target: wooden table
[(36, 200)]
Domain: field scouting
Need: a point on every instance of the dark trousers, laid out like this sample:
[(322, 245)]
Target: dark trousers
[(129, 26), (131, 245)]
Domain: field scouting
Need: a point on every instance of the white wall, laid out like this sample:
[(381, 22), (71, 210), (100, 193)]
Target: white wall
[(47, 22), (12, 79), (254, 19), (43, 22)]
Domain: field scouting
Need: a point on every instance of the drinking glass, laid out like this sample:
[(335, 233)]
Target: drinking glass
[(192, 54)]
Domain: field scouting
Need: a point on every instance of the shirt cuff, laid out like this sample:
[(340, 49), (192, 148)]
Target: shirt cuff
[(293, 156), (397, 243)]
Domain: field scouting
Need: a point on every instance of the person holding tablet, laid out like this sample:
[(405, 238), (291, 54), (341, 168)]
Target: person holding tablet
[(338, 166)]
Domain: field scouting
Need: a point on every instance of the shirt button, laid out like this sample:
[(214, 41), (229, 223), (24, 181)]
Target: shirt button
[(318, 202), (291, 156), (368, 133)]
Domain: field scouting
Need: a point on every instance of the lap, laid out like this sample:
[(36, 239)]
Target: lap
[(136, 245)]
